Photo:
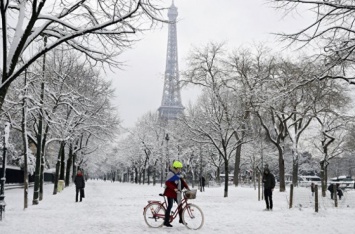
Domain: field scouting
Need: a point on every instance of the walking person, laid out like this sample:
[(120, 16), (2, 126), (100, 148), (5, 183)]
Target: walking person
[(174, 184), (79, 182), (202, 184), (269, 185), (313, 187), (337, 190)]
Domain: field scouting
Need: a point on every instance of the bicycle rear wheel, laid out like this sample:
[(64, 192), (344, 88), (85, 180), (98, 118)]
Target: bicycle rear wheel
[(193, 217), (154, 215)]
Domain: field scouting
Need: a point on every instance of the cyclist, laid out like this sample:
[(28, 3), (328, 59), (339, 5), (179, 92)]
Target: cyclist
[(173, 185)]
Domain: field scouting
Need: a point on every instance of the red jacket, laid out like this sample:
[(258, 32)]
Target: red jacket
[(172, 183)]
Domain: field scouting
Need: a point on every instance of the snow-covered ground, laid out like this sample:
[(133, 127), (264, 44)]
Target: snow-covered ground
[(118, 208)]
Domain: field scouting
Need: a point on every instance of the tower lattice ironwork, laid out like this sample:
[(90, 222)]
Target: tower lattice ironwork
[(171, 106)]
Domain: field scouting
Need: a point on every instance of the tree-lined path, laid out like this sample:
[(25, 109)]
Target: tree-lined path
[(118, 208)]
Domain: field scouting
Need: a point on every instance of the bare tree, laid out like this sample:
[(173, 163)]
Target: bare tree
[(208, 68), (72, 106), (247, 71), (25, 143), (332, 30), (207, 122), (98, 29), (330, 142)]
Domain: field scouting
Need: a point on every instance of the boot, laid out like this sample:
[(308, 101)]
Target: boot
[(167, 225)]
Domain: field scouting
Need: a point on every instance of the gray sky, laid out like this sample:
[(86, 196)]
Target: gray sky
[(139, 86)]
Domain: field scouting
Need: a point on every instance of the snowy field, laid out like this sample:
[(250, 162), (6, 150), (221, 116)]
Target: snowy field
[(118, 208)]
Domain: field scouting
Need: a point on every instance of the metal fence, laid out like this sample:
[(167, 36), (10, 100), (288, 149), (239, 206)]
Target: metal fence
[(303, 197)]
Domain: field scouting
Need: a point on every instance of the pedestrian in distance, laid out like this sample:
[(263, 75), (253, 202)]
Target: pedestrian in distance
[(202, 184), (337, 189), (79, 182), (313, 186), (269, 185), (173, 185), (339, 192)]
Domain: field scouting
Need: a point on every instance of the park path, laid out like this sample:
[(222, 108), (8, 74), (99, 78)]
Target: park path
[(107, 208), (118, 208)]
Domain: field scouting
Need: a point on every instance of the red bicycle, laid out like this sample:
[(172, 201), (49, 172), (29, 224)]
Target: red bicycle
[(192, 215)]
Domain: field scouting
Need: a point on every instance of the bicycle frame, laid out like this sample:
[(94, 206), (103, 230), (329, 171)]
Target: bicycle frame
[(191, 215), (179, 208)]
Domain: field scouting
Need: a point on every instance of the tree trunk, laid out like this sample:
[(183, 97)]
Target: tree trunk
[(140, 176), (62, 164), (43, 161), (155, 173), (161, 172), (281, 170), (3, 173), (148, 175), (237, 164), (135, 175), (201, 166), (193, 177), (69, 162), (41, 191), (218, 177), (324, 176), (3, 92), (78, 144), (36, 189), (41, 177), (295, 171), (57, 167), (74, 166), (25, 144), (146, 161), (226, 178), (41, 146)]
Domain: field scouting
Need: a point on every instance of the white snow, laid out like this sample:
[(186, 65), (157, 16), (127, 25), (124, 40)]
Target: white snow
[(18, 33), (118, 208), (7, 133)]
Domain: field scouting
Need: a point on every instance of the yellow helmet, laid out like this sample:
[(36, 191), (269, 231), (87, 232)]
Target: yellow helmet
[(177, 164)]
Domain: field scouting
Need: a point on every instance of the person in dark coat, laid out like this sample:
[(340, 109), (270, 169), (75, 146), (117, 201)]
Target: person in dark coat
[(269, 185), (174, 184), (313, 187), (202, 183), (338, 190), (79, 182)]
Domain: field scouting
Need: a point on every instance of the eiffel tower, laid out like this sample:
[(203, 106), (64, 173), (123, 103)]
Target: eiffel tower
[(171, 106)]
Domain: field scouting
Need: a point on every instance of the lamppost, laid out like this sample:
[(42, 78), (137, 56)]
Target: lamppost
[(201, 168), (190, 168), (3, 174), (178, 148), (146, 161), (161, 170), (167, 154)]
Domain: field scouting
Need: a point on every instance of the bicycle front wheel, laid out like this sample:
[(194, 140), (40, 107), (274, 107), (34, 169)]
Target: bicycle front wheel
[(154, 215), (193, 217)]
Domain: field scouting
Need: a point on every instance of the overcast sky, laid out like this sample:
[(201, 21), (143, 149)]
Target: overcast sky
[(139, 87)]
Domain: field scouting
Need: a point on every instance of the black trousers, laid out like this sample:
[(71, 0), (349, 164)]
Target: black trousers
[(202, 188), (339, 192), (81, 191), (168, 210), (268, 198)]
